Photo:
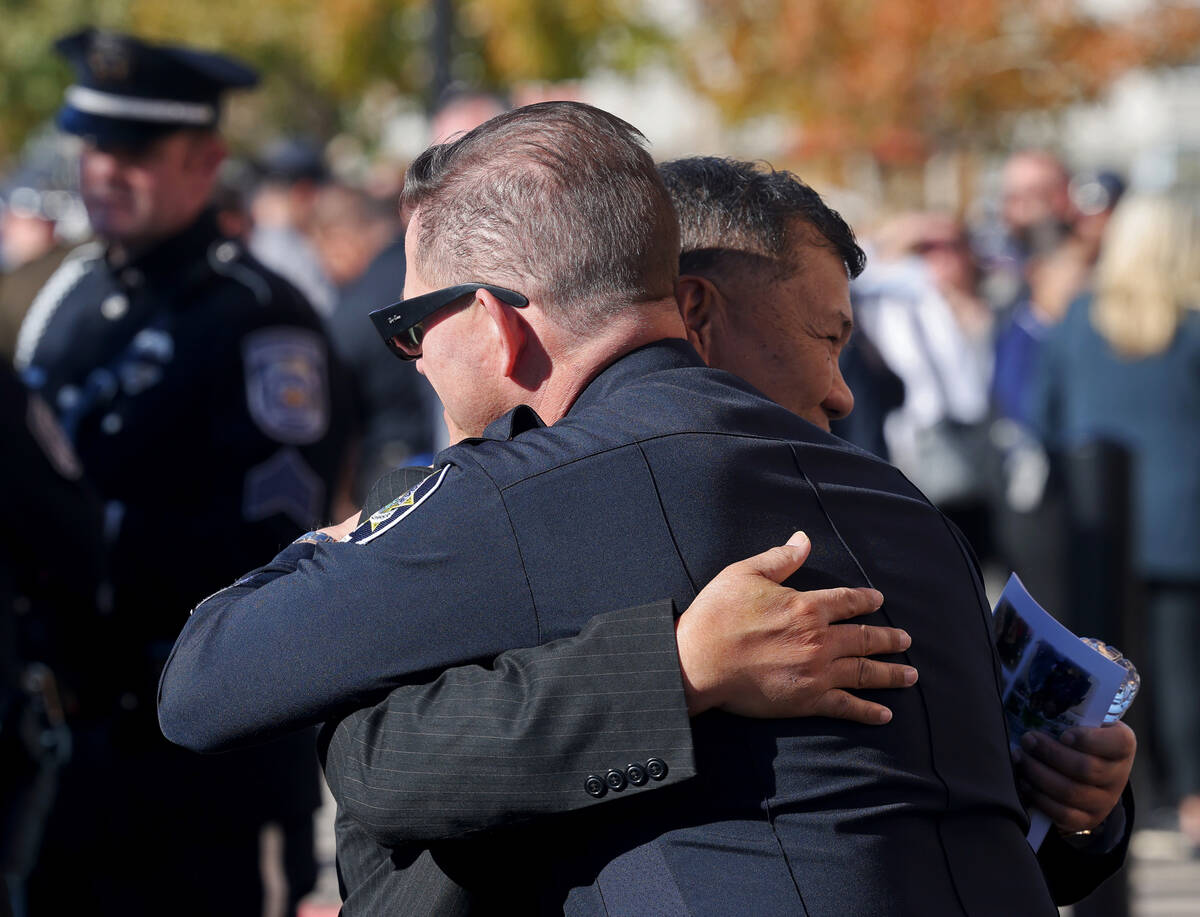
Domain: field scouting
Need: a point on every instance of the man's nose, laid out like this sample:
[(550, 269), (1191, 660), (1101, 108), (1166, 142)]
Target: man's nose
[(101, 163), (839, 402)]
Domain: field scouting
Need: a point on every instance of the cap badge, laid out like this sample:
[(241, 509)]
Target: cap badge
[(108, 59)]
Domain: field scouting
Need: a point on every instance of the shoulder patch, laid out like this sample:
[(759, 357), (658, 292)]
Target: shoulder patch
[(286, 484), (396, 481), (399, 508), (287, 385)]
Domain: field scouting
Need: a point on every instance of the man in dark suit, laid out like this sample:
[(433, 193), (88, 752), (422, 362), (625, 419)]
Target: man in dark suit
[(655, 473)]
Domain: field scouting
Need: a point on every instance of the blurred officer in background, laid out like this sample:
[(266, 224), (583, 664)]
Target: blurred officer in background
[(293, 172), (198, 390)]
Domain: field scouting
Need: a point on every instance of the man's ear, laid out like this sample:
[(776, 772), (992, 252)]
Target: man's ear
[(206, 153), (700, 305), (510, 329)]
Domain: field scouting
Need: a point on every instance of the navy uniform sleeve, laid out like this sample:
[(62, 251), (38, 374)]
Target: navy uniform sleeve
[(538, 733), (329, 628)]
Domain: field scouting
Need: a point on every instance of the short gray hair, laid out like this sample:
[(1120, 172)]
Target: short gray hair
[(559, 200), (732, 212)]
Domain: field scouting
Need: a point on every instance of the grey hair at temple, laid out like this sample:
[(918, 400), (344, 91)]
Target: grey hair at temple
[(558, 200)]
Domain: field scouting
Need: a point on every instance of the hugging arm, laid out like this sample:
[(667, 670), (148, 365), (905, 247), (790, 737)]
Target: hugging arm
[(604, 715)]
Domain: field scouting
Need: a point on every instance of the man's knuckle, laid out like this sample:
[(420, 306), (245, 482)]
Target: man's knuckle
[(801, 614), (841, 703), (864, 639), (1091, 772), (801, 684), (851, 600), (863, 678)]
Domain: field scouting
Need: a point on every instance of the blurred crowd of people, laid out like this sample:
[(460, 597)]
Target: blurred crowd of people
[(1037, 376)]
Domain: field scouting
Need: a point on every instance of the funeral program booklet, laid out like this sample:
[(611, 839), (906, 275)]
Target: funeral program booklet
[(1050, 679)]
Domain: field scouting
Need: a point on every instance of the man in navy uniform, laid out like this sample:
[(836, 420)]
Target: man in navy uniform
[(542, 260), (198, 391)]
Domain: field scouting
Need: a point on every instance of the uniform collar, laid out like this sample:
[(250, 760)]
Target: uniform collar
[(669, 353), (172, 257), (511, 425)]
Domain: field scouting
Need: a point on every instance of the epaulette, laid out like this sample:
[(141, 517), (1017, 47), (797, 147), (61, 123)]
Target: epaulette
[(224, 257)]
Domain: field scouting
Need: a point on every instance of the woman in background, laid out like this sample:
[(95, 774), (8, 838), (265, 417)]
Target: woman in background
[(1124, 366)]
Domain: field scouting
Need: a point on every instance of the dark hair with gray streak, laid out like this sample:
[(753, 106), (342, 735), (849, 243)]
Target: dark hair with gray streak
[(558, 200), (733, 213)]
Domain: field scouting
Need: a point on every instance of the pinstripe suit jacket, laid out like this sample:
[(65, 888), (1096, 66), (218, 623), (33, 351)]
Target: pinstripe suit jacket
[(484, 748), (663, 472)]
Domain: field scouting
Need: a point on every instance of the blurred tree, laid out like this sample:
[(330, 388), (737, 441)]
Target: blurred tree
[(321, 57), (902, 78)]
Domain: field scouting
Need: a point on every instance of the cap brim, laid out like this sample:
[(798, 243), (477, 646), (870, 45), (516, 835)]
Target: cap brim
[(115, 132)]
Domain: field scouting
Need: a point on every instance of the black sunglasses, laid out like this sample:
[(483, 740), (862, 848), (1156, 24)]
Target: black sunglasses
[(402, 324)]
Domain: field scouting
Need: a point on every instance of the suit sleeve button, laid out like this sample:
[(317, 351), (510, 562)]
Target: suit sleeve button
[(656, 768), (615, 780), (636, 774), (595, 786)]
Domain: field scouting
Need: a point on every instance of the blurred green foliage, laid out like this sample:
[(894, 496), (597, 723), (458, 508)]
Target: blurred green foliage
[(320, 58), (896, 78)]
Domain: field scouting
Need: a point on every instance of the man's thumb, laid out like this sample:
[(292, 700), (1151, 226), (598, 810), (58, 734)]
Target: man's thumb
[(777, 564)]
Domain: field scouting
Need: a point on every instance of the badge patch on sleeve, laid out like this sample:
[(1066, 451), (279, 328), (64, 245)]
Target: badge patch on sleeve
[(287, 389), (286, 484), (397, 509)]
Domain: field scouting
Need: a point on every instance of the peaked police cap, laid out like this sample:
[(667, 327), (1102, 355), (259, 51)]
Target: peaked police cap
[(128, 91)]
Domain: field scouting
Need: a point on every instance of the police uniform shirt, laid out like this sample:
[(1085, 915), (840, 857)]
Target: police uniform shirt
[(662, 472), (197, 388)]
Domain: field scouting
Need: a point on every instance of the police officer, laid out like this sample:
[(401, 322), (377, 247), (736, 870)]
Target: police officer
[(198, 390)]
